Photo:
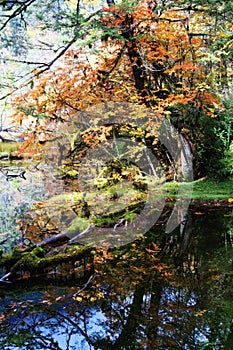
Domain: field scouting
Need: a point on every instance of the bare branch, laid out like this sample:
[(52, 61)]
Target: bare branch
[(19, 11)]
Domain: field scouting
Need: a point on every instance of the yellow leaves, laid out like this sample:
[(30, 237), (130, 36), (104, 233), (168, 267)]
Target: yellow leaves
[(202, 87), (72, 173), (137, 132), (201, 312), (117, 177), (228, 45), (149, 134), (96, 135), (89, 296), (186, 67), (98, 295), (222, 35), (159, 54), (154, 249), (79, 79), (230, 200)]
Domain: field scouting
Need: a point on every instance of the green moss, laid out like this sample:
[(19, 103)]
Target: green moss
[(110, 219), (8, 147), (9, 260), (31, 261), (78, 225), (39, 252), (16, 253)]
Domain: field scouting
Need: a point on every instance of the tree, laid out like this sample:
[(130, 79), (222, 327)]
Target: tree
[(152, 54)]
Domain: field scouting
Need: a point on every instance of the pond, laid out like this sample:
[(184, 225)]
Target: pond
[(161, 291)]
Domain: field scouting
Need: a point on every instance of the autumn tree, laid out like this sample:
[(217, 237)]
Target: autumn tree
[(144, 52), (173, 57)]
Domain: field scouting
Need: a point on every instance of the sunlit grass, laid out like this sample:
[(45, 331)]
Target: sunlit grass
[(203, 189), (8, 147)]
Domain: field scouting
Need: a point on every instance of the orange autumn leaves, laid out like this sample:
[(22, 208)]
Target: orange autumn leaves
[(166, 55)]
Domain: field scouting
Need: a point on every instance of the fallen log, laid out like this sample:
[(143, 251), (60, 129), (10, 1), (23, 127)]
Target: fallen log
[(55, 240), (59, 239), (35, 263)]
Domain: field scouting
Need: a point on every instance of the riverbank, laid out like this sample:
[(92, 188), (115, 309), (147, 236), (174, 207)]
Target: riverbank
[(204, 191)]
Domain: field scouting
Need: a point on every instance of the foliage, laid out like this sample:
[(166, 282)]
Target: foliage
[(135, 52), (215, 143), (172, 57)]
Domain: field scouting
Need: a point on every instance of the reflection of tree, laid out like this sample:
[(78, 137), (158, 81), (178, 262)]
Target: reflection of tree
[(139, 299), (180, 247), (127, 335)]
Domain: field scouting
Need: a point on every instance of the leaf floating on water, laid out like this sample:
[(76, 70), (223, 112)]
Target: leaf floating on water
[(201, 312), (78, 298)]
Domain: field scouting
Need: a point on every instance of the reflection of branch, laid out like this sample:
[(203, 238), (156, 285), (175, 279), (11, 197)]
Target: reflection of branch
[(75, 239), (22, 61), (75, 325), (43, 341), (3, 279), (4, 240), (91, 279)]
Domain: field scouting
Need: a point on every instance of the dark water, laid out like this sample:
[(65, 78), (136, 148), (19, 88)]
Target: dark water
[(164, 291)]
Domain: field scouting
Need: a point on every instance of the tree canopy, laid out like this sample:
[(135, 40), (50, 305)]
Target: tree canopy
[(171, 56)]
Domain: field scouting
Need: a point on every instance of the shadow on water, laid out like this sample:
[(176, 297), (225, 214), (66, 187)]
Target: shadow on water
[(163, 291)]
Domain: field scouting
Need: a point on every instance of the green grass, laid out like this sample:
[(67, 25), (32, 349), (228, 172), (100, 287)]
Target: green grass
[(210, 189), (8, 147), (203, 189)]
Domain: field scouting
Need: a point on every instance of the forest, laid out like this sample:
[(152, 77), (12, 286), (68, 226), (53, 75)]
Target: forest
[(116, 167)]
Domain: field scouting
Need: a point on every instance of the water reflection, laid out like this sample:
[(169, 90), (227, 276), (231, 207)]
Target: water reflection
[(161, 292), (20, 188)]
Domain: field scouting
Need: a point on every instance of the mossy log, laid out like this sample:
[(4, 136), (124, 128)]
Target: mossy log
[(35, 262), (112, 218)]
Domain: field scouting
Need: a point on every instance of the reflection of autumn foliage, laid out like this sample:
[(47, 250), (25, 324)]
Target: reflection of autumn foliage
[(136, 297)]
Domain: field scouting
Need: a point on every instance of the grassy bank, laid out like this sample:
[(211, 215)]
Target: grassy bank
[(203, 190)]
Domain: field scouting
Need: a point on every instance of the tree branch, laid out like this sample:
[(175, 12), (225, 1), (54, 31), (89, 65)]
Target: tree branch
[(22, 8)]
